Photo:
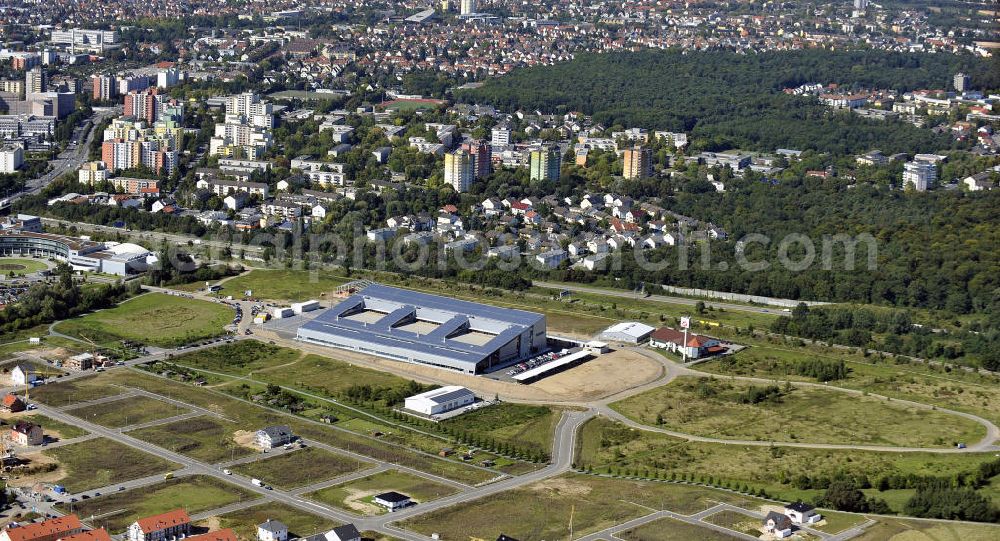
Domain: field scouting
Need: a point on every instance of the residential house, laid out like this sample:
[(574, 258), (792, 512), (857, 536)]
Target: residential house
[(22, 375), (695, 347), (552, 258), (12, 404), (380, 235), (492, 206), (394, 500), (163, 527), (48, 530), (273, 436), (595, 261), (25, 433), (272, 530), (347, 532), (99, 534), (778, 525), (225, 534), (980, 181), (802, 513)]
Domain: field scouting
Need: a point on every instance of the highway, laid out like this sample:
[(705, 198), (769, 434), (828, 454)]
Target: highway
[(74, 156)]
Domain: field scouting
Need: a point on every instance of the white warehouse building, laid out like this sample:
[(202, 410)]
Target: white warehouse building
[(629, 332), (440, 400)]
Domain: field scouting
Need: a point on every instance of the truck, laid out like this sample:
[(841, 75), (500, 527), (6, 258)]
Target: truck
[(257, 483)]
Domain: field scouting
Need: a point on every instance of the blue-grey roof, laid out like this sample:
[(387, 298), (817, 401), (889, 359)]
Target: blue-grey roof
[(402, 306)]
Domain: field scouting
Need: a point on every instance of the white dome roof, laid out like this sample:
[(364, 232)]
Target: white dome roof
[(127, 248)]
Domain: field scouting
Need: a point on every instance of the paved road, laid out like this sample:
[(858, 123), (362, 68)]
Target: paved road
[(987, 443), (73, 157), (658, 298), (562, 455)]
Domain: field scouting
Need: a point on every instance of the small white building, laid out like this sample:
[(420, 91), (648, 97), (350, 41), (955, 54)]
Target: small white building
[(273, 436), (802, 513), (440, 400), (394, 500), (272, 530), (305, 306), (22, 375)]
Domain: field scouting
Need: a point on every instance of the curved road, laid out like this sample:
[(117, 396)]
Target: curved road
[(987, 443)]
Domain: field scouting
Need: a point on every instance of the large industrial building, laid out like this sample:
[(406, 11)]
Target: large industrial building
[(416, 327), (23, 237)]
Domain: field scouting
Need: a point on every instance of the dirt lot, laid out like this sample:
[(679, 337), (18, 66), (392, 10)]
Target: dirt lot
[(246, 439), (602, 376), (599, 377), (36, 463)]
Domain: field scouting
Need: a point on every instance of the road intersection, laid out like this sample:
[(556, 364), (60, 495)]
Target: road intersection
[(563, 451)]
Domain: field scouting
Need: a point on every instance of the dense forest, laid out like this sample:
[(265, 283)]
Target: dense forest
[(735, 100), (932, 250)]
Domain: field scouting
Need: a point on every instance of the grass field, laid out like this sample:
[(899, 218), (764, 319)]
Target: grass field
[(411, 105), (153, 318), (195, 494), (356, 496), (605, 444), (203, 438), (542, 510), (834, 522), (284, 285), (668, 529), (101, 462), (711, 407), (300, 524), (240, 358), (528, 427), (20, 265), (303, 95), (133, 410), (300, 468), (52, 428), (65, 393), (286, 366), (737, 522), (954, 389), (248, 417), (891, 529)]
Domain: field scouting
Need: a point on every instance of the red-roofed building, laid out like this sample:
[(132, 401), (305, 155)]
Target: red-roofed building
[(226, 534), (12, 403), (49, 530), (170, 525), (89, 535), (697, 346), (25, 433)]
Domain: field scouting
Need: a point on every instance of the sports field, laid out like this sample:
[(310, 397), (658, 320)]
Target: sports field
[(19, 265), (154, 318)]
